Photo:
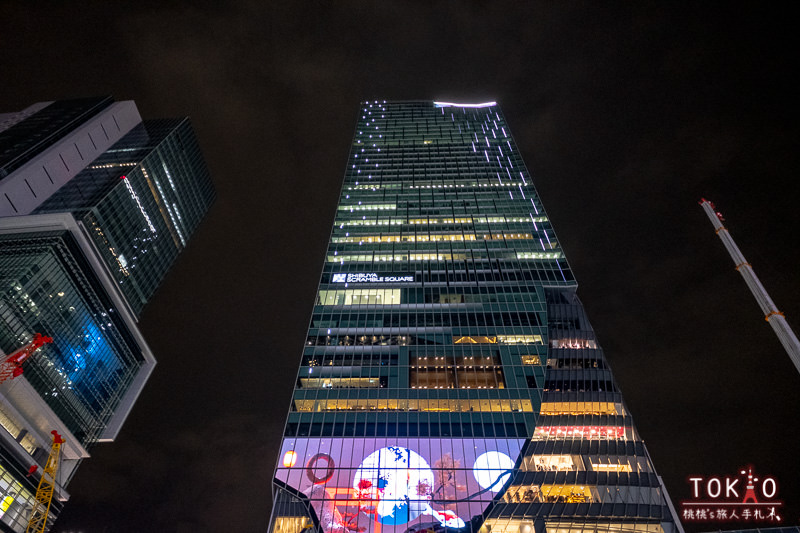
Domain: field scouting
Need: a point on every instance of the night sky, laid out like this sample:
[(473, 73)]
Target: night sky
[(625, 113)]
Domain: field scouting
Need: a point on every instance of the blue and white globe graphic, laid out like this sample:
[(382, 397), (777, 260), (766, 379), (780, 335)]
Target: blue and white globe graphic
[(401, 480)]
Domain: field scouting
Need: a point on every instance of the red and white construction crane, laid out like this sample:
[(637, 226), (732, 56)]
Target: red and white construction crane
[(771, 313), (11, 366)]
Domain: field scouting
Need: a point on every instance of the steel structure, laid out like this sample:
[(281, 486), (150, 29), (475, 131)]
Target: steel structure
[(775, 318), (44, 494), (11, 367)]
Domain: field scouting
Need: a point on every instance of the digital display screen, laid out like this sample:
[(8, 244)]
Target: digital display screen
[(403, 484)]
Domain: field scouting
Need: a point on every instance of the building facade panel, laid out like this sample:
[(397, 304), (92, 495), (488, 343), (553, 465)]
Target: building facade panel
[(141, 201), (48, 148)]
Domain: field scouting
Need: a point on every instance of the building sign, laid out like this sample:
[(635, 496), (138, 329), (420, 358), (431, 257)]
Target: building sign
[(397, 485), (741, 498), (371, 277)]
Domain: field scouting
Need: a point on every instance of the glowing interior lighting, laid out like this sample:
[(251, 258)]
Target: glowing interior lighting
[(180, 219)]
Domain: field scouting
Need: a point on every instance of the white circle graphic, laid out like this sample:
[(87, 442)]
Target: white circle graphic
[(489, 467)]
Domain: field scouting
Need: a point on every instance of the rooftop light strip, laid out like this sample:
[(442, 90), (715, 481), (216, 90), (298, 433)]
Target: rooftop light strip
[(451, 104)]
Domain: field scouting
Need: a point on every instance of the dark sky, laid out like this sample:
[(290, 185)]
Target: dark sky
[(626, 114)]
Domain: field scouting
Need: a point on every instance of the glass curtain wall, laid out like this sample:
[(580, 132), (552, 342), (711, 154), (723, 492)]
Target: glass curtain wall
[(449, 378), (141, 201)]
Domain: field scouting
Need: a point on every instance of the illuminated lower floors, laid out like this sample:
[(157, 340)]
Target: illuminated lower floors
[(579, 466), (530, 436), (467, 484)]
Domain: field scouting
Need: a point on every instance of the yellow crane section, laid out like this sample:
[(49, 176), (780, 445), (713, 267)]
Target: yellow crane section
[(44, 494)]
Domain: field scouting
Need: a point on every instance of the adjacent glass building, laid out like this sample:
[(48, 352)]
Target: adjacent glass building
[(140, 201), (450, 378), (95, 206)]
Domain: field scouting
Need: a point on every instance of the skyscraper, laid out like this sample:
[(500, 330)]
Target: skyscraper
[(450, 378), (95, 206)]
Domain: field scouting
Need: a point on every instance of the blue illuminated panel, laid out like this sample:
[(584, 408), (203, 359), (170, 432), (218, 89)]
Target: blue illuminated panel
[(46, 288)]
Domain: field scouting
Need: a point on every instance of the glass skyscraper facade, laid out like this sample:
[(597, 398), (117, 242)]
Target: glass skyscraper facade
[(95, 206), (141, 200), (450, 378), (92, 360)]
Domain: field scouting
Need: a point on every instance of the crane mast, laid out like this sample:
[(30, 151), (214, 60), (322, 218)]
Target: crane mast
[(771, 313), (37, 523)]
